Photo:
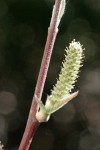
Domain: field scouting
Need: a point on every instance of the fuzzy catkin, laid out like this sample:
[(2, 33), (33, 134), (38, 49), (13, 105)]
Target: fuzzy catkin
[(61, 93), (69, 72)]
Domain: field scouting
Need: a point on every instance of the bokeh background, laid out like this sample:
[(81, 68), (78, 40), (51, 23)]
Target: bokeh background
[(23, 30)]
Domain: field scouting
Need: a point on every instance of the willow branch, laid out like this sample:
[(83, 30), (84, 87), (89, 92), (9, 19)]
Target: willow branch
[(32, 123)]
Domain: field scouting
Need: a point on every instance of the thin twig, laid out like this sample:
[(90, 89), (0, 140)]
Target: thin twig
[(32, 123)]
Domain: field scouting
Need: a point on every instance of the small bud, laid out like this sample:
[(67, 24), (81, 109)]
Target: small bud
[(62, 9), (41, 115)]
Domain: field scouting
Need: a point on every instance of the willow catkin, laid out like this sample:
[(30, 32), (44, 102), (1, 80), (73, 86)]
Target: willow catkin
[(61, 93)]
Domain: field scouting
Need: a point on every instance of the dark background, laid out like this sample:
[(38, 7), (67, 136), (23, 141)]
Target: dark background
[(23, 31)]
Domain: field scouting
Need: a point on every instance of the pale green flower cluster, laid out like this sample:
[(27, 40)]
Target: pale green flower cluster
[(68, 75), (60, 95), (69, 72)]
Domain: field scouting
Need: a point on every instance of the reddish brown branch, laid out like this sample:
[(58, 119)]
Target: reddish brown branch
[(32, 123)]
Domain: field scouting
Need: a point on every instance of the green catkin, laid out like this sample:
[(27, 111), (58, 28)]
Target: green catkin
[(61, 93), (68, 74)]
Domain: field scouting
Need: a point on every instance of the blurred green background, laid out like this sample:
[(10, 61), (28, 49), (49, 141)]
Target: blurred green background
[(23, 30)]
